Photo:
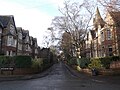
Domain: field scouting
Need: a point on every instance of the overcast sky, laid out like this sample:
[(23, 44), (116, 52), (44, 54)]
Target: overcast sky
[(33, 15)]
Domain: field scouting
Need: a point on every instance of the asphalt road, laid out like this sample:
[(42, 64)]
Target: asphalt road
[(60, 78)]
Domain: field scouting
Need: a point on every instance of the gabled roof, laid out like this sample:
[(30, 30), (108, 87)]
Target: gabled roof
[(19, 29), (5, 20), (25, 33), (93, 33), (98, 20), (35, 40), (116, 17)]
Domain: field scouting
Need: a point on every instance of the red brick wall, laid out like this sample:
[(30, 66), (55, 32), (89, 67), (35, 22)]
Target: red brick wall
[(115, 65)]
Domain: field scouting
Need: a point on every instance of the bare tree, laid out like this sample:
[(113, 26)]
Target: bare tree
[(111, 5), (75, 20), (66, 43)]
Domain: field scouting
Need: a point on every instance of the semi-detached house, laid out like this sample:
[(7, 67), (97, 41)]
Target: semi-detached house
[(104, 39), (8, 35), (15, 40)]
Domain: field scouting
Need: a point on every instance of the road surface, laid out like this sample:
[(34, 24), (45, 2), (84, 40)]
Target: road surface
[(60, 78)]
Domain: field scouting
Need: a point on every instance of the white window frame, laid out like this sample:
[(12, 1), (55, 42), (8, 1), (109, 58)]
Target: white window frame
[(10, 41), (109, 34), (14, 42)]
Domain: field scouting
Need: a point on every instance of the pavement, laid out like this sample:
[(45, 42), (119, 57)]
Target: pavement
[(25, 77)]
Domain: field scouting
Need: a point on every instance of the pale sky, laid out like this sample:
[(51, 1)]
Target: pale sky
[(33, 15)]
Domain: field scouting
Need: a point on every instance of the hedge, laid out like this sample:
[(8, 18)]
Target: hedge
[(6, 61), (83, 62), (104, 62), (23, 61)]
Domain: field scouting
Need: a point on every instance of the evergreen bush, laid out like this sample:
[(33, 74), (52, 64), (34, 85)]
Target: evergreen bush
[(23, 61), (6, 61), (83, 62)]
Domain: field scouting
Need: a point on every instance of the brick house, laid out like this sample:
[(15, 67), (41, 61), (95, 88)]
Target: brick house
[(103, 40), (98, 24), (26, 43), (19, 41), (111, 33), (35, 47), (31, 46), (1, 30), (8, 36), (45, 53), (89, 41), (15, 40)]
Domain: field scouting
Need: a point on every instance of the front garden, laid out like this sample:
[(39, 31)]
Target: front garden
[(21, 65), (105, 66)]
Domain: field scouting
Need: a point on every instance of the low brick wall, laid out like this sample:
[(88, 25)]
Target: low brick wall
[(86, 71), (109, 72), (115, 65), (21, 71), (24, 71), (113, 71)]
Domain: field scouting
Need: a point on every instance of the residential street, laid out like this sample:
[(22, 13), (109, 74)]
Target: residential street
[(61, 78)]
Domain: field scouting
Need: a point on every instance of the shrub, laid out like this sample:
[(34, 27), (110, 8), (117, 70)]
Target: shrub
[(6, 61), (37, 63), (106, 62), (46, 63), (72, 61), (115, 58), (23, 61), (95, 63), (83, 62)]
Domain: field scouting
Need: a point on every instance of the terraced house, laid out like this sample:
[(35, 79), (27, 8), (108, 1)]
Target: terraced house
[(15, 40), (104, 39)]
